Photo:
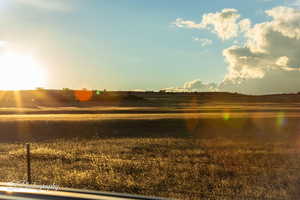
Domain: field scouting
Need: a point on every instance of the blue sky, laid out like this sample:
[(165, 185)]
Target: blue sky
[(122, 44)]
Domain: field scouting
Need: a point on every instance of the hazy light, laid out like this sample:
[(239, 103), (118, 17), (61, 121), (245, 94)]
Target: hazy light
[(20, 72)]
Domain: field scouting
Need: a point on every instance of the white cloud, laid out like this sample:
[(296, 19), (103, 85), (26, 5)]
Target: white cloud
[(194, 86), (270, 46), (198, 85), (268, 61), (54, 5), (174, 89), (203, 41), (286, 21), (245, 25), (225, 24), (187, 24), (282, 61), (139, 90), (274, 81)]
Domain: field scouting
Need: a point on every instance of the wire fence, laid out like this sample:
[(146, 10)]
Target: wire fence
[(29, 157)]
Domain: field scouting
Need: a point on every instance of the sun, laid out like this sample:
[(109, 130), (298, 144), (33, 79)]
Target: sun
[(20, 72)]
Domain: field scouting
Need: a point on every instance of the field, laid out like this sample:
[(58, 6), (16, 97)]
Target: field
[(178, 168), (231, 151)]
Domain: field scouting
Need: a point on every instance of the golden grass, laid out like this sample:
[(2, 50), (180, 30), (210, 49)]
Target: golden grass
[(167, 167), (225, 155)]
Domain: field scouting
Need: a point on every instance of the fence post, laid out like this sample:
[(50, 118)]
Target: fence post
[(28, 163)]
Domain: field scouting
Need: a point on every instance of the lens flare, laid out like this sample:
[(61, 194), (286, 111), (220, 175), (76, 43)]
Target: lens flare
[(83, 95), (280, 119), (226, 116), (98, 92)]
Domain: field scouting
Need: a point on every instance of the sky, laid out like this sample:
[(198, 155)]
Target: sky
[(248, 46)]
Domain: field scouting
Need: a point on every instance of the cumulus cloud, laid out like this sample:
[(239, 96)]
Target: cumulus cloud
[(225, 24), (282, 61), (194, 86), (274, 81), (268, 61), (179, 22), (54, 5), (203, 41), (198, 85), (174, 89), (271, 50), (245, 25)]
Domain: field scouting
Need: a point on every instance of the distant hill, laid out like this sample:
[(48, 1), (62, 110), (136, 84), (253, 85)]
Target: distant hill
[(62, 98), (52, 98), (194, 98)]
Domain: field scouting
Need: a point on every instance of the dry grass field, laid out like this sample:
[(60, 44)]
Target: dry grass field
[(177, 168), (216, 152)]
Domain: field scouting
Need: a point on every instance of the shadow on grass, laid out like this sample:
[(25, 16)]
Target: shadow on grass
[(239, 128)]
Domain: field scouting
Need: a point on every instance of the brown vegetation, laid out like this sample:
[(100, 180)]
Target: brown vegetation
[(66, 97), (209, 151), (177, 168)]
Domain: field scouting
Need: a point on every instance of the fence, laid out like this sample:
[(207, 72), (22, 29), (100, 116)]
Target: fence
[(27, 162), (29, 170)]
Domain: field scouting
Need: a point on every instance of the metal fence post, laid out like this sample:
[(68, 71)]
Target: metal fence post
[(28, 163)]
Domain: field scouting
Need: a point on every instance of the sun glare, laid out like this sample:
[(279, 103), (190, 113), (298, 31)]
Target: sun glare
[(20, 72)]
